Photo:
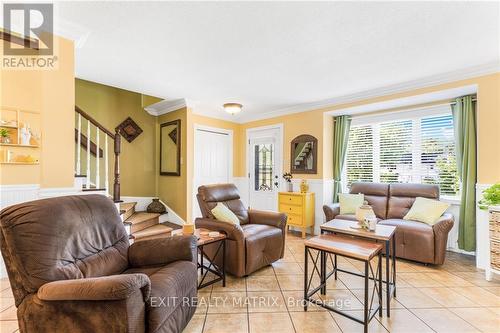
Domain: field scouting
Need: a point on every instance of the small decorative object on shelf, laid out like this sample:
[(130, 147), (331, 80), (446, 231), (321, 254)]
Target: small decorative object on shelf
[(304, 187), (4, 136), (288, 177), (25, 135), (156, 207), (364, 211), (9, 154)]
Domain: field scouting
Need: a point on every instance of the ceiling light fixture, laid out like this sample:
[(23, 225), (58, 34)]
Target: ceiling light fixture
[(232, 108)]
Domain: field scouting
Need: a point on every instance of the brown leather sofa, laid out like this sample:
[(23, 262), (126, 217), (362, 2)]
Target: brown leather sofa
[(391, 202), (71, 269), (258, 241)]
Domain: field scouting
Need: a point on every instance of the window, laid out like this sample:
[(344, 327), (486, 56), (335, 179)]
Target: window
[(264, 167), (412, 149)]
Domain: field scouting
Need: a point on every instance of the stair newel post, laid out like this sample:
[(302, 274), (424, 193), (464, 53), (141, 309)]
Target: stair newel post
[(116, 185)]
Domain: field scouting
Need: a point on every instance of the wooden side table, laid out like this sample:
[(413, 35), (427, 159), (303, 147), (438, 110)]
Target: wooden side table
[(206, 263), (382, 233)]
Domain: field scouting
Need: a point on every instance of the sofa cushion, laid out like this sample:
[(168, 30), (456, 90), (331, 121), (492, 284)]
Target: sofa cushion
[(402, 197), (350, 202), (426, 210), (224, 214), (263, 245), (376, 194), (169, 285), (414, 240)]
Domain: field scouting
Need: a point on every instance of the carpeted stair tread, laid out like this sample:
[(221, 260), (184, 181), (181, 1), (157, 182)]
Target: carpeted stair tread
[(139, 217), (156, 230), (128, 208)]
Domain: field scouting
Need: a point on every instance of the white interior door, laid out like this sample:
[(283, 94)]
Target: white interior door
[(212, 160), (265, 163)]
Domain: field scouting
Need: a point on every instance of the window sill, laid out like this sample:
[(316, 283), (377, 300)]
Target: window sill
[(450, 200)]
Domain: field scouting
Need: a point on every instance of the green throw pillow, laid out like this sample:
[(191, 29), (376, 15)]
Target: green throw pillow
[(426, 210), (224, 214), (350, 202)]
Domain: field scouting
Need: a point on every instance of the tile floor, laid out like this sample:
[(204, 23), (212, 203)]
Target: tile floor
[(451, 298)]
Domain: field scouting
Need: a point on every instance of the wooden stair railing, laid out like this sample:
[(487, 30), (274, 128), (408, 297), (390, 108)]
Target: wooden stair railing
[(116, 149)]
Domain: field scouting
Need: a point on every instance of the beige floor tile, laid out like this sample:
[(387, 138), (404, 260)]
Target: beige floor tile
[(479, 296), (232, 284), (264, 271), (493, 290), (314, 322), (262, 283), (4, 283), (342, 300), (360, 295), (349, 325), (287, 268), (228, 302), (449, 280), (226, 323), (202, 302), (6, 302), (9, 314), (195, 324), (413, 298), (6, 293), (294, 282), (478, 279), (266, 301), (270, 322), (443, 320), (483, 319), (294, 301), (403, 320), (352, 281), (420, 280), (448, 297), (8, 326), (288, 256)]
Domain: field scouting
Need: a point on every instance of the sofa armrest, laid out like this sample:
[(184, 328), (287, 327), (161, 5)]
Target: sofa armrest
[(441, 229), (273, 219), (331, 210), (105, 288), (232, 231), (162, 251)]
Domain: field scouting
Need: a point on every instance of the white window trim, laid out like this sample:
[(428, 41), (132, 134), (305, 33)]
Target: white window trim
[(415, 115)]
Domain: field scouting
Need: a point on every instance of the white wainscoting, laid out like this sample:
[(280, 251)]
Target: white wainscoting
[(482, 231)]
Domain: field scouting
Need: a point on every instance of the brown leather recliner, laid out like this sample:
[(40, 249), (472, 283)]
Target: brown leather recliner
[(258, 241), (391, 202), (71, 269)]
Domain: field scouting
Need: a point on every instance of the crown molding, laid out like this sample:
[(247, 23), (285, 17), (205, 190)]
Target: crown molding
[(166, 106), (429, 81)]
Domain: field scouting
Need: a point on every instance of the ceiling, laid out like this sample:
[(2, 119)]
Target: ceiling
[(274, 56)]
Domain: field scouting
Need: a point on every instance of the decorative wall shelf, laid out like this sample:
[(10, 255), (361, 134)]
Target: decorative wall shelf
[(21, 163), (18, 145)]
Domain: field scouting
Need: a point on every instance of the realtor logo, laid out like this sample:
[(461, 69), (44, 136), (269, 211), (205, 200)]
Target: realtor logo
[(36, 21)]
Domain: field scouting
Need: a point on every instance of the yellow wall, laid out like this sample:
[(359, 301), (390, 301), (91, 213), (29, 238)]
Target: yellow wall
[(173, 190), (50, 92), (110, 106), (320, 125)]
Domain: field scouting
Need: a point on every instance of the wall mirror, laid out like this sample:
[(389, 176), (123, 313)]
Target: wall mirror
[(304, 154), (170, 148)]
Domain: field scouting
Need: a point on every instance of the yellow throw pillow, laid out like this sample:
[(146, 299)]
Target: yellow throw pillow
[(224, 214), (350, 202), (426, 210)]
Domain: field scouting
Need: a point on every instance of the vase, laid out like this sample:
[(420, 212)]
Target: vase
[(304, 187), (289, 186), (25, 135), (364, 211), (156, 207)]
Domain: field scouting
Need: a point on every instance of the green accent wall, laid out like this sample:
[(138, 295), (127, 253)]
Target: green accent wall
[(110, 106)]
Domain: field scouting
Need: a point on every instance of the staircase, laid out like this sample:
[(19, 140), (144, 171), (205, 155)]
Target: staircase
[(142, 225)]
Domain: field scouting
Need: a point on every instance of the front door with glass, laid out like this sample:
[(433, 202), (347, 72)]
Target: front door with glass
[(265, 163)]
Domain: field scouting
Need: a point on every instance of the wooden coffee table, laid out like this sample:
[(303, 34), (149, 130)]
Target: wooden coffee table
[(203, 240), (382, 233)]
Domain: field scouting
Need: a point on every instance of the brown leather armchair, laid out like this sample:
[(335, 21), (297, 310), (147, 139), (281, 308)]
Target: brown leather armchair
[(391, 202), (71, 269), (258, 241)]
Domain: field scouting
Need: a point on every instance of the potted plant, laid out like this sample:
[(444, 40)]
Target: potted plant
[(4, 135), (491, 197), (288, 177)]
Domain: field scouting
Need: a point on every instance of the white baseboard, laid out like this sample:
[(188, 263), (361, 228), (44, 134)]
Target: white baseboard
[(173, 217)]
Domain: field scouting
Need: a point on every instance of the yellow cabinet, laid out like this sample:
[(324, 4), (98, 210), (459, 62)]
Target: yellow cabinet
[(299, 208)]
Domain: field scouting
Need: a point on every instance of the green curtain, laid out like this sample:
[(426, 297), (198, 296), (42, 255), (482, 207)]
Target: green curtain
[(341, 126), (464, 123)]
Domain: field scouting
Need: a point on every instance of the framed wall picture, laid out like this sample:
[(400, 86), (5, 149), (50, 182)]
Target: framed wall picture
[(170, 148)]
